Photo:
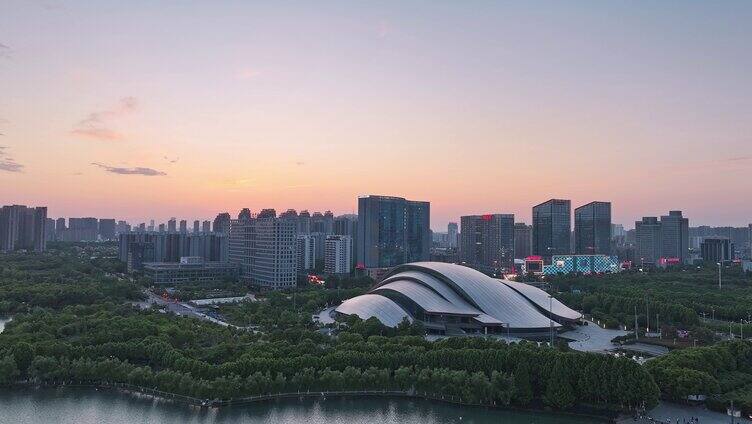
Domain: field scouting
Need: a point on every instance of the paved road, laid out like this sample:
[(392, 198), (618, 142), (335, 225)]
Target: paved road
[(324, 317), (670, 413), (180, 309), (592, 338)]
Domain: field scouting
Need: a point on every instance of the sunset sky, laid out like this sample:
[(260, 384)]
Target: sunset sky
[(144, 110)]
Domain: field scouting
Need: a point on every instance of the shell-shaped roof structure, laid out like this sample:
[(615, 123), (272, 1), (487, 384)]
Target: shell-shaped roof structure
[(423, 290)]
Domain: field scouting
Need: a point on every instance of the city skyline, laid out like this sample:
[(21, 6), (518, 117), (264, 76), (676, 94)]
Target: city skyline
[(148, 115)]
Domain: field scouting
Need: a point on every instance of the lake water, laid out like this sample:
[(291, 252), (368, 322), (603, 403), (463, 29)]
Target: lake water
[(87, 406)]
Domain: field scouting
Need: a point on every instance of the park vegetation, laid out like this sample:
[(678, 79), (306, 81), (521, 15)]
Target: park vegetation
[(107, 343), (723, 372), (74, 323), (680, 298)]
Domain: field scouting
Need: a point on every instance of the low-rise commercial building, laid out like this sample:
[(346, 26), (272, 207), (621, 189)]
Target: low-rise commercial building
[(582, 264), (189, 269)]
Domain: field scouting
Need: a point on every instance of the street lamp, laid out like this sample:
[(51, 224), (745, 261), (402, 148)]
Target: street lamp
[(719, 275), (550, 320)]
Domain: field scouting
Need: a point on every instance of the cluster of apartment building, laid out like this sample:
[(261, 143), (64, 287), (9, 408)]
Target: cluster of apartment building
[(271, 251), (23, 228)]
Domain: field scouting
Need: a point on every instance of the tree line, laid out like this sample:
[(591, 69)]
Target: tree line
[(117, 344)]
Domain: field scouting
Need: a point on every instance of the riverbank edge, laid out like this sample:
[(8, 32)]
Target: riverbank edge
[(127, 389)]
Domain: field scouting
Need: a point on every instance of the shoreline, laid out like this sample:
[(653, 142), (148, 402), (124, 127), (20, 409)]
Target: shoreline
[(125, 389)]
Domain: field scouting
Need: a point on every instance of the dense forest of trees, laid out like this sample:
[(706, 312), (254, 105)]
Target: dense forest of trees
[(109, 343), (61, 277), (722, 371), (679, 296), (73, 323)]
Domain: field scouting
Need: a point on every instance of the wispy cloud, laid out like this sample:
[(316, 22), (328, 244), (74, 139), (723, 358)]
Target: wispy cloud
[(300, 163), (149, 172), (738, 159), (97, 125), (247, 74), (7, 163), (10, 165), (5, 51), (171, 160)]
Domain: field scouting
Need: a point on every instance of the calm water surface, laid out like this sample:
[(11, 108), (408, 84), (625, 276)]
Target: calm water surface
[(86, 406)]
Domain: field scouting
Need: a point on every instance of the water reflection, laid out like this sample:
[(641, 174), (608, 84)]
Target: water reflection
[(84, 406)]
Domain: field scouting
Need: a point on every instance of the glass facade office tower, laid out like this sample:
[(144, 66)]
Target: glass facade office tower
[(453, 235), (592, 229), (523, 240), (392, 231), (552, 228), (487, 242), (648, 244), (675, 236)]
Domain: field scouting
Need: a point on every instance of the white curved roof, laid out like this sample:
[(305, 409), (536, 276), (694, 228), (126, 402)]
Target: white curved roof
[(441, 288), (540, 298), (434, 283), (489, 295), (373, 305), (426, 298)]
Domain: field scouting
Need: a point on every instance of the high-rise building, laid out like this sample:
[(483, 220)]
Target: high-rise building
[(267, 213), (392, 231), (338, 256), (347, 225), (196, 226), (107, 229), (523, 240), (487, 242), (265, 249), (592, 229), (245, 214), (306, 252), (717, 249), (59, 227), (290, 215), (22, 227), (206, 227), (183, 226), (161, 228), (304, 222), (170, 247), (120, 228), (552, 226), (648, 242), (172, 226), (151, 226), (328, 222), (222, 223), (453, 235), (39, 235), (82, 229), (49, 229), (675, 236)]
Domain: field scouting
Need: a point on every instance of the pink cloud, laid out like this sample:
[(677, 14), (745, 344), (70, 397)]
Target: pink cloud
[(247, 73), (95, 126)]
